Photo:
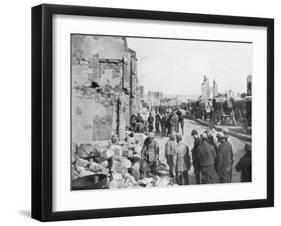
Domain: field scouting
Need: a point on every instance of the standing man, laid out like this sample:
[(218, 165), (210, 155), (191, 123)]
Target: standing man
[(214, 143), (163, 125), (182, 161), (207, 156), (157, 122), (181, 121), (244, 165), (225, 159), (170, 153), (194, 153), (174, 122), (150, 122), (149, 155), (168, 124)]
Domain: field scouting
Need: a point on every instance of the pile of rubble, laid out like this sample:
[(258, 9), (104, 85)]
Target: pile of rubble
[(116, 164)]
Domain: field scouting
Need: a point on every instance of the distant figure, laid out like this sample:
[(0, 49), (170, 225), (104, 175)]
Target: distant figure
[(149, 155), (157, 122), (174, 122), (224, 159), (150, 121), (163, 125), (194, 152), (168, 124), (170, 154), (181, 121), (207, 156), (244, 165), (182, 161), (133, 121)]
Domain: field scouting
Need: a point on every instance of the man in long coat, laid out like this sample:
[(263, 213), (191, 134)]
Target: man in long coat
[(182, 161), (157, 122), (194, 153), (150, 121), (224, 159), (207, 155), (244, 164), (170, 154)]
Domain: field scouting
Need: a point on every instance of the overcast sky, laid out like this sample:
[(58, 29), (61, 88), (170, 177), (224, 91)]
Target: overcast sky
[(178, 66)]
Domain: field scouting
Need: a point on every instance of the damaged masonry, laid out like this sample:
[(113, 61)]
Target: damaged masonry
[(105, 94)]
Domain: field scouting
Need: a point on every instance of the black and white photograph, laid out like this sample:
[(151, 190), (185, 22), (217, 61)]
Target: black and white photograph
[(157, 112)]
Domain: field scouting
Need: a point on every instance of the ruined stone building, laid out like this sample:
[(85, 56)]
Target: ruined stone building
[(104, 87)]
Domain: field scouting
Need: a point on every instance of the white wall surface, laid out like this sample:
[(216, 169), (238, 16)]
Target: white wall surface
[(15, 113)]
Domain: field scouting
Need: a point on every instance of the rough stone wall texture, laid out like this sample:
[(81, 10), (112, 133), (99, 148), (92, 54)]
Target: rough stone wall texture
[(92, 117), (111, 75), (80, 75), (127, 70), (86, 46)]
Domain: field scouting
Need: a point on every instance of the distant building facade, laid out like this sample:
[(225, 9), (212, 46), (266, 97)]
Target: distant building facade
[(154, 98), (205, 88)]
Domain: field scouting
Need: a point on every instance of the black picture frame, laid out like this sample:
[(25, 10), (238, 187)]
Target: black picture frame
[(42, 107)]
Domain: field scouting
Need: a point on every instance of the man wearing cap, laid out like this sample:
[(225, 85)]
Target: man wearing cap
[(170, 153), (224, 159), (149, 155), (207, 155), (244, 165), (182, 161), (194, 153)]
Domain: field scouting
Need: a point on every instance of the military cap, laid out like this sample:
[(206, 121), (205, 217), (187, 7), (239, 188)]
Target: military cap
[(179, 136), (204, 136), (194, 132), (220, 135)]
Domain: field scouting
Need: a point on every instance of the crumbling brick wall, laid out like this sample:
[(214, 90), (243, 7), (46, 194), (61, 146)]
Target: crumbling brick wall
[(92, 117), (101, 87)]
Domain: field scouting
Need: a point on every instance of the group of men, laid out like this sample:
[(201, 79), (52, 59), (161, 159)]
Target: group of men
[(212, 158), (163, 124)]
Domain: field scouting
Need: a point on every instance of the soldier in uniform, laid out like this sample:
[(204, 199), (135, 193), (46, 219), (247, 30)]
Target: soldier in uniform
[(207, 155), (170, 154), (149, 155), (244, 165), (194, 153), (182, 161), (224, 159)]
